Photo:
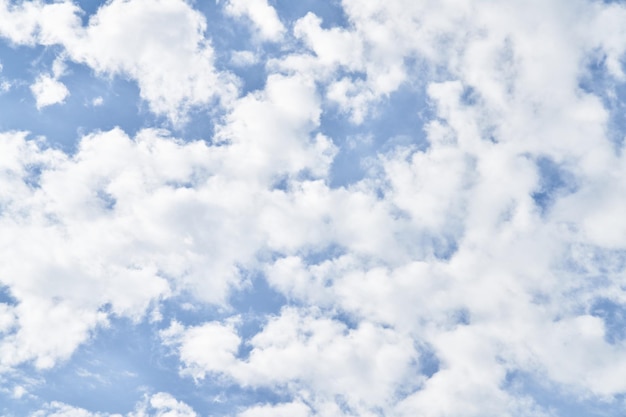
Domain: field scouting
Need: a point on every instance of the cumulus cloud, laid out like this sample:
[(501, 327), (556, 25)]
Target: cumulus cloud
[(29, 23), (125, 222), (160, 45), (160, 404), (425, 288), (316, 358), (261, 14), (48, 91), (163, 404)]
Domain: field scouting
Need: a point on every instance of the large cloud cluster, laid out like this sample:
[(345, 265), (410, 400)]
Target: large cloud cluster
[(159, 44), (432, 286)]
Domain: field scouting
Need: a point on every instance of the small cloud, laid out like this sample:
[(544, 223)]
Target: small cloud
[(156, 316), (262, 16), (48, 91), (243, 58), (188, 307), (98, 101), (18, 392), (59, 67), (4, 84)]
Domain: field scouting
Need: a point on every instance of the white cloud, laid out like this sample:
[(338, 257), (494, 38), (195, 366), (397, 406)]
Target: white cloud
[(163, 404), (441, 249), (161, 45), (209, 348), (5, 85), (124, 223), (160, 404), (314, 357), (30, 22), (243, 58), (294, 409), (19, 391), (261, 14), (48, 91)]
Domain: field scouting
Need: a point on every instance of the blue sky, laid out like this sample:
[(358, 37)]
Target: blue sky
[(268, 208)]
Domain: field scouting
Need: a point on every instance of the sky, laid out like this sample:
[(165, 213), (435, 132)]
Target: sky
[(342, 208)]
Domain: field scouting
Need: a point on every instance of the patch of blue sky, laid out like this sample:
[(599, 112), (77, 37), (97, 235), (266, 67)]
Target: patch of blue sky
[(426, 365), (122, 362), (16, 407), (331, 12), (445, 247), (89, 8), (614, 316), (554, 180), (6, 297), (253, 76), (317, 256), (199, 125), (429, 363), (560, 401), (229, 36), (93, 103), (225, 33), (253, 304), (127, 360), (257, 298), (598, 80), (397, 121)]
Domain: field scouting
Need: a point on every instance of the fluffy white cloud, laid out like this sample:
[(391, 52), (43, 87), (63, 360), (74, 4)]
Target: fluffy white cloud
[(163, 404), (261, 14), (316, 358), (126, 222), (445, 250), (211, 347), (160, 404), (48, 91), (161, 45), (31, 22)]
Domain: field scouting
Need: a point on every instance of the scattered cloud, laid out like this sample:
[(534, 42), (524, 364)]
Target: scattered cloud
[(158, 405), (243, 58), (474, 269), (261, 14), (48, 91)]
